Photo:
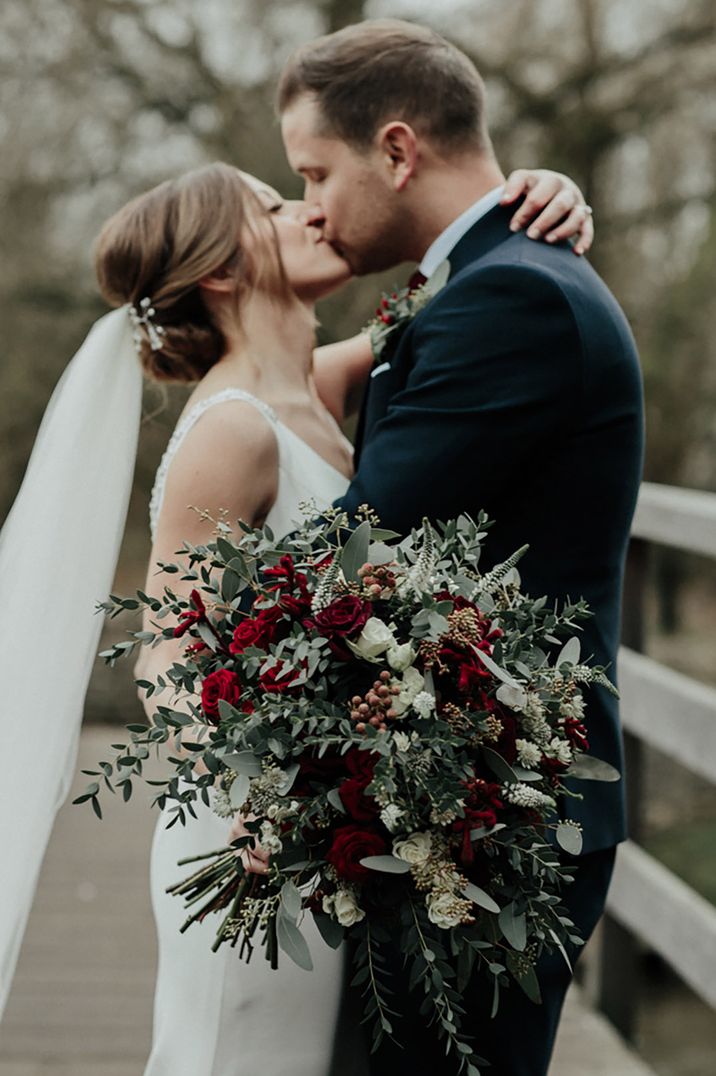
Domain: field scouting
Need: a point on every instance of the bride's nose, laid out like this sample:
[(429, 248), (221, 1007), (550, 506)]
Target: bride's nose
[(298, 210)]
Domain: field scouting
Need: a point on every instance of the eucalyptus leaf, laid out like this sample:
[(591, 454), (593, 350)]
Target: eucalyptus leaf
[(334, 798), (207, 636), (388, 864), (530, 985), (289, 776), (293, 942), (495, 669), (569, 838), (244, 762), (355, 552), (588, 768), (290, 900), (331, 931), (481, 898), (380, 553), (513, 927), (499, 766), (569, 654), (239, 790)]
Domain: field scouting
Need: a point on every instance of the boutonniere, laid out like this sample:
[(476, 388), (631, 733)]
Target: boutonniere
[(398, 308)]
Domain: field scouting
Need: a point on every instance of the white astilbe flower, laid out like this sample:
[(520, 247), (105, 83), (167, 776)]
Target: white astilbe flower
[(324, 591), (528, 753), (424, 703), (522, 795)]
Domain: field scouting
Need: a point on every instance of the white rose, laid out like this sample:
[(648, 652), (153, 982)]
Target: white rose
[(413, 684), (400, 657), (328, 902), (414, 849), (442, 911), (391, 815), (374, 640), (346, 908)]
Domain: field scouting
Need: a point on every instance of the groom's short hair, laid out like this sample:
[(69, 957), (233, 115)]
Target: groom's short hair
[(384, 69)]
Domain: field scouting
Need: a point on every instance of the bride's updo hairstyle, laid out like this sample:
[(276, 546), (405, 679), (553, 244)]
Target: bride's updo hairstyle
[(162, 243)]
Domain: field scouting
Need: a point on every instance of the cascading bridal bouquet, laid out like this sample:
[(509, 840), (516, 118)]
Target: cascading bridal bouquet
[(395, 726)]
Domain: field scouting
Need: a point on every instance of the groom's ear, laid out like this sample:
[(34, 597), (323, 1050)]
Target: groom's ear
[(398, 144)]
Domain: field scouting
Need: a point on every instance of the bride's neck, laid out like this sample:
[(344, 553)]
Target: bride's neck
[(272, 353)]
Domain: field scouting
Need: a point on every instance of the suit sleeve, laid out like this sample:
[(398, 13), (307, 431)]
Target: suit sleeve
[(496, 377)]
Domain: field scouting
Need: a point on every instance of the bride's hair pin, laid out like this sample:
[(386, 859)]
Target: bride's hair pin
[(142, 319)]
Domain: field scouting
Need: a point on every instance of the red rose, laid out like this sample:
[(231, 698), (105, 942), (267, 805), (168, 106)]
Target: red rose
[(261, 631), (219, 685), (352, 843), (343, 618), (359, 806), (361, 763), (277, 679), (481, 806)]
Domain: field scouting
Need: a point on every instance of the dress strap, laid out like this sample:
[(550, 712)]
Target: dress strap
[(181, 430)]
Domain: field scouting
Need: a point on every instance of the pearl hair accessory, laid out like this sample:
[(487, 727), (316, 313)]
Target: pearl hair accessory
[(142, 319)]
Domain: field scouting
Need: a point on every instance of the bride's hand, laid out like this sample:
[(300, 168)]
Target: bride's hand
[(554, 207), (255, 860)]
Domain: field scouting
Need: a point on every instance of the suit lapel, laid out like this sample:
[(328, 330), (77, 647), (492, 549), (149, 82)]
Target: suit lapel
[(486, 234)]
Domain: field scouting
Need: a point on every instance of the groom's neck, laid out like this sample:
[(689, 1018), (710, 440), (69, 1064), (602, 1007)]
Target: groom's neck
[(446, 190)]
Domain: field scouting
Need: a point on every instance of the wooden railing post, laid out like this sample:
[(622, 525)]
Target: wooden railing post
[(619, 958)]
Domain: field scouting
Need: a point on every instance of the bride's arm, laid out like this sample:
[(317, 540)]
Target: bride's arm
[(229, 461), (554, 208)]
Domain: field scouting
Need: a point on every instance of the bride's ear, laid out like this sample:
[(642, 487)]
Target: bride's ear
[(220, 281)]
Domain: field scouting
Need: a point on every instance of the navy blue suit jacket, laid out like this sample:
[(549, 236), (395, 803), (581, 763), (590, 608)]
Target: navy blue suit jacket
[(517, 390)]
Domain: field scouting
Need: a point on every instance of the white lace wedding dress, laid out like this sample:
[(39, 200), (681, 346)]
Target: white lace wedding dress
[(214, 1015)]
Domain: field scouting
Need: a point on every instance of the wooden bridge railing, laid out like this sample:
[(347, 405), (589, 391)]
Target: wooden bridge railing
[(648, 905)]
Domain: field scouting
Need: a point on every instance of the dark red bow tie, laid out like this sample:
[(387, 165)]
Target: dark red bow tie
[(417, 280)]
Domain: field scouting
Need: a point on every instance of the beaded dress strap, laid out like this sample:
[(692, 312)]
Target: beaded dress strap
[(182, 429)]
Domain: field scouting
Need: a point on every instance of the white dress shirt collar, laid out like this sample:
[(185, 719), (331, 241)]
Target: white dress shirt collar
[(446, 242)]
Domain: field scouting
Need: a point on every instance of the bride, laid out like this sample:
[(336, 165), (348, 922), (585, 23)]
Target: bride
[(215, 278)]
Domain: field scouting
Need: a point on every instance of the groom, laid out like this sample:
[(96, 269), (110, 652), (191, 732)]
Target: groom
[(515, 390)]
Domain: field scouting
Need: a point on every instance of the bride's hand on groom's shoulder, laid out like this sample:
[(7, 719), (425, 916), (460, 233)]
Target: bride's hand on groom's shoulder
[(554, 208)]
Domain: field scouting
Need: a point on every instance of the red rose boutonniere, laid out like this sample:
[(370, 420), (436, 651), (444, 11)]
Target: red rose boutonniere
[(398, 308)]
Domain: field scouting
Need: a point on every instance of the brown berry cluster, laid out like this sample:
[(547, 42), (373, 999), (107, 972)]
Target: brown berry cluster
[(378, 580), (376, 708)]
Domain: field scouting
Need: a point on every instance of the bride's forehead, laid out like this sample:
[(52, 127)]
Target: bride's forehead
[(258, 186)]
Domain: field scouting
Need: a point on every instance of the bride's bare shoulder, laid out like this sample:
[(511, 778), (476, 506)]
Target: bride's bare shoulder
[(227, 461)]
